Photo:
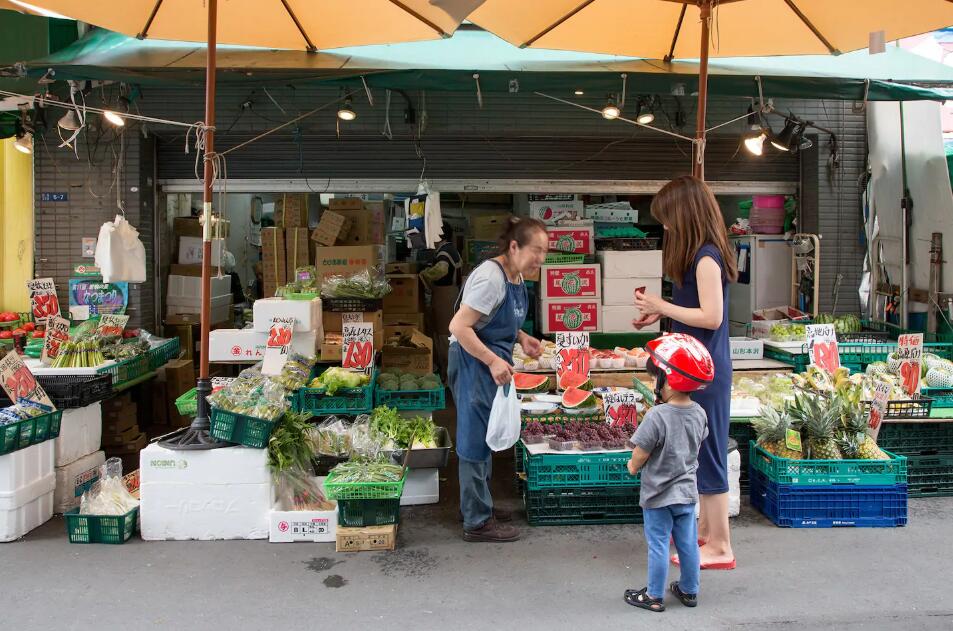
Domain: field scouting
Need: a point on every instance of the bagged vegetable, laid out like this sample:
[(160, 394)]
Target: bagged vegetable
[(297, 490), (363, 284), (109, 495), (331, 438)]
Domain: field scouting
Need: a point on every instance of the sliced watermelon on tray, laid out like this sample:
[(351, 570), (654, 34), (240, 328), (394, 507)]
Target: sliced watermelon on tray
[(528, 382)]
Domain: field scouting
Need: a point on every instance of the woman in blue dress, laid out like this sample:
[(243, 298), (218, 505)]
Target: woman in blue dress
[(490, 312), (699, 260)]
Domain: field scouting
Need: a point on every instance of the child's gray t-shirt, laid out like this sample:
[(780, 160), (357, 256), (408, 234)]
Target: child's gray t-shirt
[(672, 435)]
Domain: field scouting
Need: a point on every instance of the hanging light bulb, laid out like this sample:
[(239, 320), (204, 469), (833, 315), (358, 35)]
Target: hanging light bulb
[(346, 113), (579, 92), (645, 115), (116, 116), (611, 111), (69, 121), (24, 142), (758, 132), (785, 140), (755, 144)]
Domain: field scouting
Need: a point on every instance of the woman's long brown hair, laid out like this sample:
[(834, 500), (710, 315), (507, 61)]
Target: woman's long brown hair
[(687, 207)]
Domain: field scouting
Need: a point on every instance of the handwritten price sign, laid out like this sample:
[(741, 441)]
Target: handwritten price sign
[(822, 347), (43, 300), (57, 334), (878, 407), (910, 354), (278, 345), (112, 325), (572, 356), (358, 345), (621, 407), (19, 383)]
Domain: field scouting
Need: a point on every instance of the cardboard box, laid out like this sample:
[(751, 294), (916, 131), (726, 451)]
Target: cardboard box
[(402, 267), (618, 319), (551, 212), (74, 479), (221, 309), (191, 286), (120, 425), (332, 351), (346, 203), (571, 281), (274, 269), (122, 439), (415, 320), (297, 251), (291, 210), (287, 526), (333, 227), (191, 248), (618, 292), (746, 348), (179, 377), (307, 313), (489, 227), (629, 263), (405, 295), (572, 239), (191, 227), (612, 214), (346, 260), (366, 539), (332, 324), (368, 224), (415, 357), (571, 316), (248, 346), (763, 319), (475, 252), (185, 270)]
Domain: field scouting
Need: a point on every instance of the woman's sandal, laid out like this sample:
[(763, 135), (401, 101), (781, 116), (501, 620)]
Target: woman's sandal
[(689, 600), (640, 598)]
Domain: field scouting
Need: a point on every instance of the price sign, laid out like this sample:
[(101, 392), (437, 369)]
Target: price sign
[(910, 354), (278, 345), (43, 300), (822, 347), (358, 345), (112, 325), (57, 334), (352, 318), (878, 407), (19, 383), (220, 382), (621, 407), (572, 356)]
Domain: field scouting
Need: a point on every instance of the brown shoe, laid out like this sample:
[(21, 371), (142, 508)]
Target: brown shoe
[(499, 514), (492, 532)]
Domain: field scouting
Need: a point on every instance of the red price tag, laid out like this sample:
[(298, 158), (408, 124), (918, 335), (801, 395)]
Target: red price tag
[(19, 382), (572, 356), (910, 354), (621, 407), (358, 345), (43, 300), (822, 347), (278, 345)]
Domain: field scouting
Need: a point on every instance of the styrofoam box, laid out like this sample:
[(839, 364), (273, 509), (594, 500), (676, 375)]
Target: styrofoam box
[(81, 433), (204, 495), (27, 480), (619, 320), (247, 345), (190, 251), (617, 292), (287, 526), (623, 264), (191, 286), (75, 479), (422, 486), (734, 483), (221, 307), (307, 313)]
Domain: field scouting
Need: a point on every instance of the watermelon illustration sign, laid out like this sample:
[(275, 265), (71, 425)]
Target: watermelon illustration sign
[(910, 354), (822, 347), (571, 359), (571, 281), (98, 297)]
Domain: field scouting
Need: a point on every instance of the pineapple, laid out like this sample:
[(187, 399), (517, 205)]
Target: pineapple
[(770, 428), (849, 445), (819, 418), (854, 422)]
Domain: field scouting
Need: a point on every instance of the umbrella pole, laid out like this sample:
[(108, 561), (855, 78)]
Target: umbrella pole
[(698, 167), (197, 435)]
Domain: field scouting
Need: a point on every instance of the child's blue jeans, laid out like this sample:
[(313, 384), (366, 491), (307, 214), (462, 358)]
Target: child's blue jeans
[(678, 522)]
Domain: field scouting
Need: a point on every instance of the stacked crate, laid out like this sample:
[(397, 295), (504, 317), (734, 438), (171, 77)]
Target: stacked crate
[(928, 447), (623, 272), (570, 298)]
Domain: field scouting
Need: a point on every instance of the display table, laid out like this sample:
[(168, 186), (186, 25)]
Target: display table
[(623, 377)]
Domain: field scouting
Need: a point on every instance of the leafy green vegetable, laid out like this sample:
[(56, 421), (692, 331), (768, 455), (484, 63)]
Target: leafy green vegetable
[(367, 471), (290, 445), (335, 378), (402, 433)]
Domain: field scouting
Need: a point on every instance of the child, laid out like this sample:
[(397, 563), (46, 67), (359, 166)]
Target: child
[(666, 450)]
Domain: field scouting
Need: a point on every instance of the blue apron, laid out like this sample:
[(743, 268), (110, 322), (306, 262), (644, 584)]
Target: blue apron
[(470, 380)]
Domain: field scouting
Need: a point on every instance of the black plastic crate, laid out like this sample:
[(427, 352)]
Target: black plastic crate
[(628, 243), (352, 305), (76, 391), (573, 506), (930, 476), (916, 439)]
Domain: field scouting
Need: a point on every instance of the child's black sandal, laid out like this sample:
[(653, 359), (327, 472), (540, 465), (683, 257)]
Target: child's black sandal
[(689, 600), (641, 599)]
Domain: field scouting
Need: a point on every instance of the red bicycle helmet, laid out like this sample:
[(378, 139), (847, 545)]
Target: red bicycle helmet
[(684, 361)]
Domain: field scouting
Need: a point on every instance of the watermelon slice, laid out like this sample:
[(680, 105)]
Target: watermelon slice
[(578, 398), (526, 382), (572, 380)]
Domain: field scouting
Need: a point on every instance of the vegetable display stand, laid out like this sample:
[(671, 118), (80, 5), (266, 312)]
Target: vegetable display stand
[(787, 472), (366, 513), (547, 471), (163, 353), (916, 439), (76, 391), (188, 403), (930, 476), (349, 401), (241, 429), (362, 490), (30, 431), (423, 400), (101, 528), (575, 506), (128, 370), (829, 506)]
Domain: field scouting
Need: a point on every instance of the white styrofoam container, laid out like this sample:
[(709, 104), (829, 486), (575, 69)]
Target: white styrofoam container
[(247, 345), (204, 495), (618, 319), (287, 526), (623, 264), (746, 348), (734, 483), (617, 292), (190, 250), (191, 286), (81, 433), (74, 479), (307, 313), (422, 486), (221, 310), (616, 214), (27, 480)]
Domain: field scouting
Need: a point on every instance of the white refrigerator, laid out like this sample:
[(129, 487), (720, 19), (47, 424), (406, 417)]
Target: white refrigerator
[(764, 278)]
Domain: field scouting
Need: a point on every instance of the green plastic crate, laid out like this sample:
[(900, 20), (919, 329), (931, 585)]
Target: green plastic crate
[(930, 476), (800, 361), (547, 471), (784, 471), (188, 403), (367, 513), (350, 401), (362, 490), (22, 434), (915, 439), (574, 506), (942, 397), (164, 353), (128, 370), (240, 428), (424, 400), (113, 529)]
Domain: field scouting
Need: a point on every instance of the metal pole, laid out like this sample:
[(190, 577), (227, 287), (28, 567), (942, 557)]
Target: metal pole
[(698, 167)]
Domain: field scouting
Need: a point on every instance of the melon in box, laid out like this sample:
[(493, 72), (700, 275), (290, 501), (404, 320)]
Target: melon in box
[(571, 239), (558, 316), (571, 281)]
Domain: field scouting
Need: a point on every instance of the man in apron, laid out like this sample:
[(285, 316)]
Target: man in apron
[(443, 279)]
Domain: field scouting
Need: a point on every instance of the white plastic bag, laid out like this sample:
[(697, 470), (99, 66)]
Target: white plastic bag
[(120, 254), (503, 430)]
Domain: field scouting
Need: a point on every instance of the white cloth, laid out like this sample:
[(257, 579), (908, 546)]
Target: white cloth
[(120, 255), (433, 218)]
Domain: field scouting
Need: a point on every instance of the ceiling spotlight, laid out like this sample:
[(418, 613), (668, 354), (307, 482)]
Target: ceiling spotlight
[(804, 143), (755, 144), (24, 142), (346, 113), (758, 132), (579, 92), (784, 140), (116, 116), (645, 115), (611, 111), (69, 121)]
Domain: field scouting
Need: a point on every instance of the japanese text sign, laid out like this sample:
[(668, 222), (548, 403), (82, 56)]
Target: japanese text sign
[(19, 383), (358, 345), (111, 324), (621, 407), (43, 300), (278, 345), (57, 334), (572, 356), (878, 407), (822, 347), (910, 354)]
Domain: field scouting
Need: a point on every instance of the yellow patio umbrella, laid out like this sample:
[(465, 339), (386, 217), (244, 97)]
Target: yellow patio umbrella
[(686, 29), (298, 24)]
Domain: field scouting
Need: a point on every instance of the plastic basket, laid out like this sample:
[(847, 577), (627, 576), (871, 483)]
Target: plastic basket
[(916, 439), (188, 403), (75, 391), (349, 401), (163, 353), (800, 361), (827, 472), (547, 471), (626, 243), (22, 434), (930, 476), (351, 305), (424, 400), (942, 397), (560, 258), (580, 506), (743, 434), (241, 429), (101, 528), (323, 464), (829, 506), (367, 513), (301, 296), (127, 370), (362, 490), (908, 408)]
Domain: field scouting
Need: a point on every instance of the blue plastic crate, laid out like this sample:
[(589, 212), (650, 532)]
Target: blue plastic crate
[(829, 506)]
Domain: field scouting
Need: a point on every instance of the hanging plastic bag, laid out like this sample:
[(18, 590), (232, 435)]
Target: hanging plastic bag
[(503, 430), (120, 255)]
